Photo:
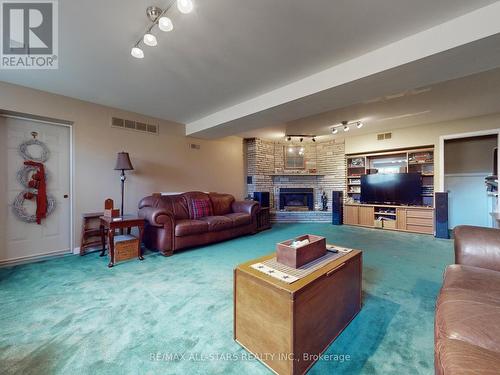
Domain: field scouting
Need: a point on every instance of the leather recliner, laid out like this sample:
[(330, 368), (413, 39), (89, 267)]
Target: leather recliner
[(467, 321), (170, 223)]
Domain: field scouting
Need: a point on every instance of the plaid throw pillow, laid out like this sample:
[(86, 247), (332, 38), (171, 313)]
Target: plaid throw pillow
[(201, 208)]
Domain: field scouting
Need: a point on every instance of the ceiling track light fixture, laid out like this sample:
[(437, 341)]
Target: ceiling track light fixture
[(346, 126), (157, 16), (300, 137)]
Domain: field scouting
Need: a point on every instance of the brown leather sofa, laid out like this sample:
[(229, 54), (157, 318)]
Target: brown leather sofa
[(170, 223), (467, 322)]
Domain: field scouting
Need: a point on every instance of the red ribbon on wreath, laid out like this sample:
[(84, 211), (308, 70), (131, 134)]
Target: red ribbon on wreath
[(38, 182)]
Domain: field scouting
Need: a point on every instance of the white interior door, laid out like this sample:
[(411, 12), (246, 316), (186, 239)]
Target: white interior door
[(18, 239)]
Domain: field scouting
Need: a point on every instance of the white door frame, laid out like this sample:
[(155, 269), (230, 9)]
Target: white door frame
[(478, 133), (72, 248)]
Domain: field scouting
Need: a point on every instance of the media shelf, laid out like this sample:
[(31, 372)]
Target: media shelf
[(415, 160)]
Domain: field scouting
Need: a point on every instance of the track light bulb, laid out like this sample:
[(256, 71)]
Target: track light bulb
[(335, 130), (301, 139), (150, 40), (314, 139), (359, 125), (137, 53), (346, 128), (165, 24), (185, 6)]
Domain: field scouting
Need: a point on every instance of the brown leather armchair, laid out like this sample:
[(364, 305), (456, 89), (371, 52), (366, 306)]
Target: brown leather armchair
[(467, 322), (170, 223)]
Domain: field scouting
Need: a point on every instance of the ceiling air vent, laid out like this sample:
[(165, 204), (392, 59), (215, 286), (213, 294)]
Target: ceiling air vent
[(134, 125), (382, 136)]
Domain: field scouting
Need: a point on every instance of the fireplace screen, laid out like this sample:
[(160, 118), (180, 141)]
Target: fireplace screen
[(296, 199)]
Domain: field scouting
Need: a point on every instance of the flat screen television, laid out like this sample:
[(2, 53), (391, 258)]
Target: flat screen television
[(394, 188)]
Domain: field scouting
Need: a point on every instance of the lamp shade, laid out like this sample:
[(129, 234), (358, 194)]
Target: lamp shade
[(123, 162)]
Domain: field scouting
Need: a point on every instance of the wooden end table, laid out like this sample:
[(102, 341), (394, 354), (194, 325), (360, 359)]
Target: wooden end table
[(111, 224)]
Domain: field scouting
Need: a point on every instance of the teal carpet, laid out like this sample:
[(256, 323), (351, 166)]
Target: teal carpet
[(73, 315)]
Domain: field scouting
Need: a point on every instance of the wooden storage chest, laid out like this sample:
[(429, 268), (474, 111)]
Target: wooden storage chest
[(126, 247), (280, 322)]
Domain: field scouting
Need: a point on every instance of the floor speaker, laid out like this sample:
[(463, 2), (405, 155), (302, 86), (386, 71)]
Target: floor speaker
[(441, 215), (337, 208), (262, 197)]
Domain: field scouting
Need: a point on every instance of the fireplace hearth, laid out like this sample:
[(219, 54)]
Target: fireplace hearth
[(296, 199)]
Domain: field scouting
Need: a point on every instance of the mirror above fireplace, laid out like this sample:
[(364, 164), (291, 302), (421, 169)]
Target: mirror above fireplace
[(294, 157)]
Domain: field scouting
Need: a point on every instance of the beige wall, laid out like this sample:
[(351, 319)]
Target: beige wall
[(469, 155), (162, 162), (421, 135)]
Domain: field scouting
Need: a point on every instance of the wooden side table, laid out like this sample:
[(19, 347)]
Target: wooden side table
[(90, 231), (111, 224)]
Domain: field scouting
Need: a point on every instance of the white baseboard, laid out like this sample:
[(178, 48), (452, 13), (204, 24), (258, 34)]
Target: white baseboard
[(34, 258)]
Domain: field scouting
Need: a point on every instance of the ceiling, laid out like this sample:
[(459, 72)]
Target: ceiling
[(223, 53), (470, 96)]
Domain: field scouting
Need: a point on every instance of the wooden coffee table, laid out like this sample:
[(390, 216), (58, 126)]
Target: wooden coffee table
[(286, 326), (110, 224)]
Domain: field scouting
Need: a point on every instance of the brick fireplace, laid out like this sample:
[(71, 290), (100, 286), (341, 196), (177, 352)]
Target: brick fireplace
[(325, 171)]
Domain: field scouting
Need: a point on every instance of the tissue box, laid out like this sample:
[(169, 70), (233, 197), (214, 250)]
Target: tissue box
[(297, 257)]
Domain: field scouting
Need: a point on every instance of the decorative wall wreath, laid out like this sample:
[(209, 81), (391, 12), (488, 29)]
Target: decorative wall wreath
[(24, 175), (33, 178), (23, 150), (28, 194)]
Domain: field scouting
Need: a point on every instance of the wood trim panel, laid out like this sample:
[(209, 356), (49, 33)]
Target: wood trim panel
[(401, 218), (260, 310), (419, 208), (420, 229), (425, 214), (366, 215), (351, 215), (419, 221)]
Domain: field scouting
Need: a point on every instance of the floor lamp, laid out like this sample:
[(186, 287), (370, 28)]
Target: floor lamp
[(123, 163)]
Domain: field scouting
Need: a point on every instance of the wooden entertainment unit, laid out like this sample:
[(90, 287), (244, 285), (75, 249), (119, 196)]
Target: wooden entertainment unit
[(416, 219), (403, 218)]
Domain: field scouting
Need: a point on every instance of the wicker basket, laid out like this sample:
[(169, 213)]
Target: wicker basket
[(126, 247)]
